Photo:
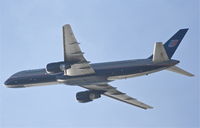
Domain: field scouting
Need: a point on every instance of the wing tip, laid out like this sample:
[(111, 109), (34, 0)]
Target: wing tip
[(67, 25), (191, 75), (149, 107)]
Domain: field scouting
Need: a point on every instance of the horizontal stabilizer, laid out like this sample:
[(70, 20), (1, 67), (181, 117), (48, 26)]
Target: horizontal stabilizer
[(179, 70), (159, 53)]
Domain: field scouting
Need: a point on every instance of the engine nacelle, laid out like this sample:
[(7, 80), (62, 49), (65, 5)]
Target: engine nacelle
[(57, 67), (88, 96)]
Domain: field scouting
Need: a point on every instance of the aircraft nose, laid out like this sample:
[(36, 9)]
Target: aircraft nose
[(7, 82)]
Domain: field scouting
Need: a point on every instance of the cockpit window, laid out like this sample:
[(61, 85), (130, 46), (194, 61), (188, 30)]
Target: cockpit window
[(29, 73)]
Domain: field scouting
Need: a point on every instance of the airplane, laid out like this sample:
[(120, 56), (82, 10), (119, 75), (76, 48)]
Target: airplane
[(76, 70)]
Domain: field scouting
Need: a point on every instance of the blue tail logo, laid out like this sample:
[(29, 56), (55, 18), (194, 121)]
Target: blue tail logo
[(173, 43)]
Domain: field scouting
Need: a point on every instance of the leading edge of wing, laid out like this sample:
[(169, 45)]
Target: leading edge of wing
[(112, 92)]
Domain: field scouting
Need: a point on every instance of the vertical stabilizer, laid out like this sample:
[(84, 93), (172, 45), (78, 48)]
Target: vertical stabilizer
[(172, 44)]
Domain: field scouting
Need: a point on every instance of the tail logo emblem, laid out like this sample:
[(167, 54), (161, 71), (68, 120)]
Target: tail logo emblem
[(173, 43)]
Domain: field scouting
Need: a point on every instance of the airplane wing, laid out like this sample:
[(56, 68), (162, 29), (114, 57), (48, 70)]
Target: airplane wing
[(114, 93), (74, 55)]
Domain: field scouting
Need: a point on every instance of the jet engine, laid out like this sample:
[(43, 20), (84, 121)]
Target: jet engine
[(57, 67), (88, 96)]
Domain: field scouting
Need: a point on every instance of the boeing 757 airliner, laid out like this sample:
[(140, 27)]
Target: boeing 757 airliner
[(76, 70)]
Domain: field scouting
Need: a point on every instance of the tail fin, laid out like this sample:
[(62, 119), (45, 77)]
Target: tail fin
[(172, 44), (165, 52)]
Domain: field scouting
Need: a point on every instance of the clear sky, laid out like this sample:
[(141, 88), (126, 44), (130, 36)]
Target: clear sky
[(108, 30)]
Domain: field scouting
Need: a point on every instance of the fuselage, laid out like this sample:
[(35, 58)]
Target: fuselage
[(104, 73)]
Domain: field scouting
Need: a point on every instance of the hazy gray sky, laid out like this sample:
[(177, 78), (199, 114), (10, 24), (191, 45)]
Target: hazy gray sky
[(108, 30)]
